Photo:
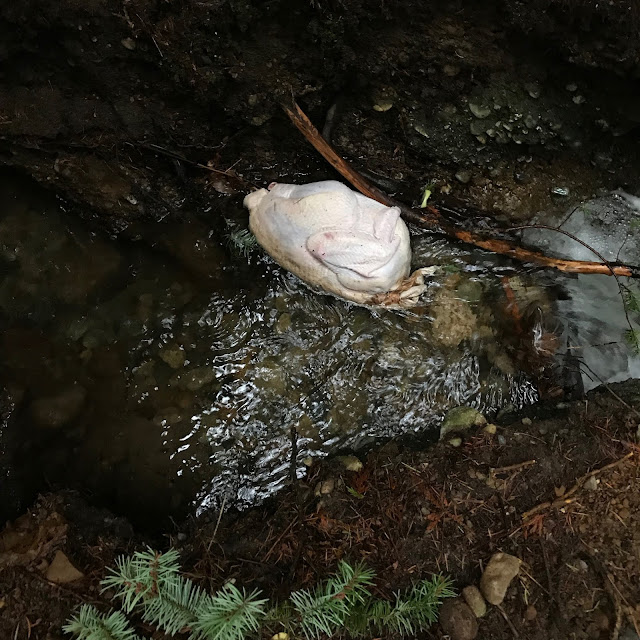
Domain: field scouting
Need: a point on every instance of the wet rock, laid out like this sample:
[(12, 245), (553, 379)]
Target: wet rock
[(284, 323), (325, 487), (480, 111), (563, 192), (197, 378), (533, 89), (474, 599), (457, 620), (52, 412), (61, 571), (351, 463), (461, 419), (463, 176), (497, 576), (173, 355), (453, 319)]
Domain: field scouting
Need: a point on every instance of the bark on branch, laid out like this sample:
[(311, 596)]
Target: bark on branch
[(431, 219)]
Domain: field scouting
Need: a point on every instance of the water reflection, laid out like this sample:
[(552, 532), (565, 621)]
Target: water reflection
[(168, 374)]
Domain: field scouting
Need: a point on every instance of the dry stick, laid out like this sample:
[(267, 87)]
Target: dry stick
[(431, 218), (566, 498), (512, 467)]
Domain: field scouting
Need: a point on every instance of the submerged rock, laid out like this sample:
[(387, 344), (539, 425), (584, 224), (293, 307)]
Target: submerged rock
[(461, 419), (57, 410)]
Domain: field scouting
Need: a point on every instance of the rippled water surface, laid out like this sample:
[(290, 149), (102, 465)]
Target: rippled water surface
[(166, 374)]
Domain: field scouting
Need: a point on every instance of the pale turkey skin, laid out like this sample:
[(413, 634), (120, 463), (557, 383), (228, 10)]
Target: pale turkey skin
[(336, 239)]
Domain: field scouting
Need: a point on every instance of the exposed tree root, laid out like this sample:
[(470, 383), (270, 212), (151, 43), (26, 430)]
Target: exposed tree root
[(430, 217)]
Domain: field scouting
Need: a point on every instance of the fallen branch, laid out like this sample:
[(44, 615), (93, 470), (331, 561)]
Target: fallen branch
[(566, 498), (430, 218)]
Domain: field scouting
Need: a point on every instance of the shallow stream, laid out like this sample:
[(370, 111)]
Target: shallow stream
[(165, 376)]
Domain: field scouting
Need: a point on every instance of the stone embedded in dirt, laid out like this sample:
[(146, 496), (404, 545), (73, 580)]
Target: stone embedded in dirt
[(351, 463), (61, 571), (457, 620), (455, 442), (591, 484), (57, 410), (530, 613), (461, 419), (491, 429), (497, 576), (325, 487), (474, 599)]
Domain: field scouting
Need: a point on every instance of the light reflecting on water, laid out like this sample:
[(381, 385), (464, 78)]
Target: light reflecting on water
[(170, 377)]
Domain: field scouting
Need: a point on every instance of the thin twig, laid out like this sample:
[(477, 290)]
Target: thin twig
[(508, 620), (512, 467), (215, 531), (566, 498)]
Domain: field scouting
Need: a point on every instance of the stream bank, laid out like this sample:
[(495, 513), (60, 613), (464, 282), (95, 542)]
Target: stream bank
[(513, 107), (572, 467)]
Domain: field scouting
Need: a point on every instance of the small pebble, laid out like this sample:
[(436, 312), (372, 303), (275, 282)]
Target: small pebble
[(455, 442), (351, 463), (490, 429), (560, 191), (474, 599), (128, 43), (527, 422), (501, 440), (591, 484), (463, 176), (325, 487), (530, 613), (479, 110)]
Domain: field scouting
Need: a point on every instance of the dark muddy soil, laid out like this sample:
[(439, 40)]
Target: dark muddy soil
[(497, 103), (560, 492)]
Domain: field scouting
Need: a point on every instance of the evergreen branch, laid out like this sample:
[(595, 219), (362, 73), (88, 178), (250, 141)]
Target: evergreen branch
[(230, 614), (142, 576), (407, 615), (90, 624), (175, 607), (241, 241), (325, 609)]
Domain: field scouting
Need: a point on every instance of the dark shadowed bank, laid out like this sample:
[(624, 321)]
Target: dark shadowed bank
[(559, 490), (112, 103), (505, 105)]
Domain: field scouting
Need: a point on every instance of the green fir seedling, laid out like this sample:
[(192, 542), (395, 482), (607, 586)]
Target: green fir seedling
[(90, 624), (323, 610), (241, 241), (149, 584), (231, 614)]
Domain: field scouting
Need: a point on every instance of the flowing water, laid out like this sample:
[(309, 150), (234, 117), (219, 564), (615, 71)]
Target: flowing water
[(166, 375)]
